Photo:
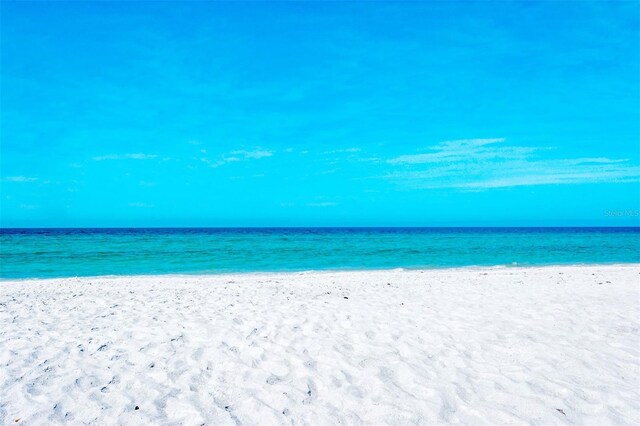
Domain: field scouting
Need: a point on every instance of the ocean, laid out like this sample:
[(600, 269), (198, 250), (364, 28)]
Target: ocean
[(46, 253)]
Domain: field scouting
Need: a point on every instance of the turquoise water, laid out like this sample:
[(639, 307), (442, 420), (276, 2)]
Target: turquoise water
[(31, 253)]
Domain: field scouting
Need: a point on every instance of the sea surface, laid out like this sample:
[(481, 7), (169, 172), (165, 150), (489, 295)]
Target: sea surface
[(38, 253)]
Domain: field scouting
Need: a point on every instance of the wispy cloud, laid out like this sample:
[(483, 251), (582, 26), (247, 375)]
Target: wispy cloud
[(489, 163), (465, 149), (550, 172), (236, 156), (351, 150), (134, 156), (20, 179), (141, 205), (322, 204), (259, 153)]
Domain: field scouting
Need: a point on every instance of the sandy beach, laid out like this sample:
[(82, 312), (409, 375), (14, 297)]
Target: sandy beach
[(539, 345)]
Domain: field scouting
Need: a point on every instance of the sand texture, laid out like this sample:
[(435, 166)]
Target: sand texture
[(544, 345)]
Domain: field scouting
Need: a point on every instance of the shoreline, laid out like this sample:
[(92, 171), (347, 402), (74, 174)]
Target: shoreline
[(324, 271), (541, 345)]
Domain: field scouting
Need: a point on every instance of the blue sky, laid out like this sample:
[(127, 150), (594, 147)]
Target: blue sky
[(327, 114)]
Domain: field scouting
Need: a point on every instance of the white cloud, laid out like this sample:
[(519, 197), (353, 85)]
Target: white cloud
[(21, 179), (322, 204), (237, 156), (461, 149), (351, 150), (252, 154), (134, 156), (556, 172), (488, 163)]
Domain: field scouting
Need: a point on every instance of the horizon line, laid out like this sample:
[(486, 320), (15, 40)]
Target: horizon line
[(330, 227)]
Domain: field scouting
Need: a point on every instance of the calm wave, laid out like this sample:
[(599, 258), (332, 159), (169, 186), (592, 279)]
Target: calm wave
[(30, 253)]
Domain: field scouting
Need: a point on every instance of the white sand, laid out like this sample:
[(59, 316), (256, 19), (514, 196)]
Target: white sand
[(554, 345)]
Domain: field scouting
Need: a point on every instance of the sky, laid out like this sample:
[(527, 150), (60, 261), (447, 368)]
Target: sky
[(319, 114)]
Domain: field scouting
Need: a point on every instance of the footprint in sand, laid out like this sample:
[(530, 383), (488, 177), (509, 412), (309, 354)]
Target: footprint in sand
[(273, 379), (311, 393)]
